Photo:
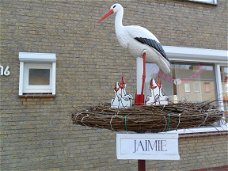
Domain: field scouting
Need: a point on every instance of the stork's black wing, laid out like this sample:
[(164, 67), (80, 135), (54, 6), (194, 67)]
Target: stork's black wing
[(154, 44)]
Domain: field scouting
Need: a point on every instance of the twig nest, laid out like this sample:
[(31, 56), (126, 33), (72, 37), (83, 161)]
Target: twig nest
[(149, 118)]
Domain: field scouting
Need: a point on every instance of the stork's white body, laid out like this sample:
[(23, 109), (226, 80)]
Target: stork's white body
[(142, 44), (126, 37)]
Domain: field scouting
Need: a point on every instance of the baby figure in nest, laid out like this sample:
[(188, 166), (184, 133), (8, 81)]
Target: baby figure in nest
[(124, 100), (121, 98), (156, 96)]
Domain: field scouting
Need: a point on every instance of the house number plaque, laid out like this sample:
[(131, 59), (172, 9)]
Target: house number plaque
[(4, 71)]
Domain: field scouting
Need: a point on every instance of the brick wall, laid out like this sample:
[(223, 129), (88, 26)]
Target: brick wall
[(37, 134), (196, 152)]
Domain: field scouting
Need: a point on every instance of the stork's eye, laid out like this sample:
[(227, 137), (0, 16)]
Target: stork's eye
[(114, 6)]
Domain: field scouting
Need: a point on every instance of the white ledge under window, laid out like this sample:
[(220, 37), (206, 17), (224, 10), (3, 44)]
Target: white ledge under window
[(217, 129), (214, 2), (37, 74)]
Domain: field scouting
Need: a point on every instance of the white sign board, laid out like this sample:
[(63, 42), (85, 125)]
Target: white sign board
[(160, 146)]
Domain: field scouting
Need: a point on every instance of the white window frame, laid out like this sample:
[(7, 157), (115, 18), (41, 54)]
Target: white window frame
[(214, 2), (37, 88), (212, 56), (197, 87), (36, 61), (187, 88)]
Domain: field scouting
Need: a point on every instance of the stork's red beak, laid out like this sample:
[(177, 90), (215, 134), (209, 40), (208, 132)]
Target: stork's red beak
[(106, 15)]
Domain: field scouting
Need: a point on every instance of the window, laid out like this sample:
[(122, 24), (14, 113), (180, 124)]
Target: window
[(206, 1), (37, 73), (37, 78), (197, 75), (197, 86), (187, 88)]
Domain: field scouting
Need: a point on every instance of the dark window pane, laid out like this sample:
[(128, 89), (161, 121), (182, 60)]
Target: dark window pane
[(39, 76)]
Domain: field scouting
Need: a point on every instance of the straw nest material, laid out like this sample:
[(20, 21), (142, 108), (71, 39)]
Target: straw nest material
[(149, 118)]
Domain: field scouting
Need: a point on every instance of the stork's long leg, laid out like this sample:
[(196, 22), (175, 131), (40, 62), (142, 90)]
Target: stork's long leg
[(139, 96), (144, 72)]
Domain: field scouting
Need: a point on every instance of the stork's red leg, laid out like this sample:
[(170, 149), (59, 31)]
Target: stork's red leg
[(139, 98)]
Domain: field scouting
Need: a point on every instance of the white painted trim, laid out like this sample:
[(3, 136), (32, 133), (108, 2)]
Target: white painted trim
[(214, 2), (219, 86), (222, 127), (21, 78), (186, 54), (37, 57), (53, 78)]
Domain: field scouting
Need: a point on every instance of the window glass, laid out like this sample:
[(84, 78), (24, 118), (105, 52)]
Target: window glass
[(190, 82), (224, 78), (39, 76)]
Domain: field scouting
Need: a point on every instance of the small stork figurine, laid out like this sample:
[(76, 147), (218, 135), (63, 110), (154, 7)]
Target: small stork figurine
[(156, 97), (121, 99)]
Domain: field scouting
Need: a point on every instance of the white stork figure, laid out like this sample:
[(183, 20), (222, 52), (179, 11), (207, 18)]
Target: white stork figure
[(156, 95), (139, 41), (121, 99)]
